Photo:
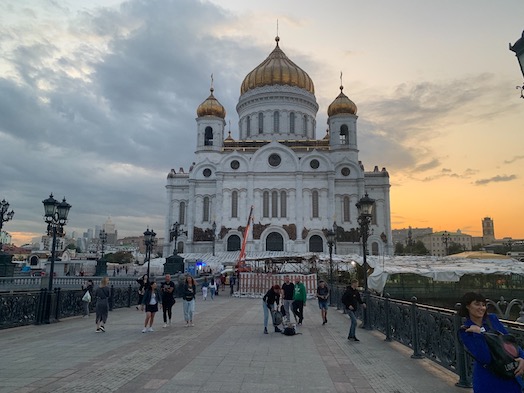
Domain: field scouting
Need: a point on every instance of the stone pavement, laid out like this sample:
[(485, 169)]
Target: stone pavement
[(226, 351)]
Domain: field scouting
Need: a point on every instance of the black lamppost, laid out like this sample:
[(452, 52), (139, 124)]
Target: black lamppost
[(365, 213), (149, 241), (214, 229), (174, 233), (335, 230), (518, 48), (445, 239), (101, 265), (409, 241), (5, 216), (330, 242), (55, 215)]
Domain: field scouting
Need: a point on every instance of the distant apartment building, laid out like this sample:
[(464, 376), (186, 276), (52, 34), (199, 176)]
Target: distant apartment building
[(439, 243), (110, 229), (402, 236)]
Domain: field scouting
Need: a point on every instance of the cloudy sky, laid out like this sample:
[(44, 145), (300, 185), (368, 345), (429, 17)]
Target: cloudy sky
[(98, 100)]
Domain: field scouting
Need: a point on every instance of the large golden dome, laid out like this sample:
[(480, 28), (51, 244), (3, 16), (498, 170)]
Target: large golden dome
[(277, 69), (211, 107), (342, 105)]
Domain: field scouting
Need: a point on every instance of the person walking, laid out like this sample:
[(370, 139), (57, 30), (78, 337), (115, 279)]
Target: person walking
[(232, 282), (212, 288), (477, 321), (323, 295), (288, 289), (205, 287), (102, 294), (189, 294), (87, 287), (168, 299), (299, 300), (152, 300), (270, 303), (143, 283), (351, 299)]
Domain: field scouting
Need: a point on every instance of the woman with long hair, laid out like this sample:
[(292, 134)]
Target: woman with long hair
[(152, 300), (102, 295), (189, 294)]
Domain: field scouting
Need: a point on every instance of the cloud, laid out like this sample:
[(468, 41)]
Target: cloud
[(514, 159), (495, 179)]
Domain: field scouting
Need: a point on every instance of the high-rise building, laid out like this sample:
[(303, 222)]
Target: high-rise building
[(297, 186)]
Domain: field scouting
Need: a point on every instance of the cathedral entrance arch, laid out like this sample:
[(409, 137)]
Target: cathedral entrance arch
[(274, 242), (316, 244), (233, 243)]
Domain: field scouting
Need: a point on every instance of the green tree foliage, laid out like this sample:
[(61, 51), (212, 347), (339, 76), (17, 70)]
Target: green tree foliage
[(419, 248), (121, 257), (399, 249)]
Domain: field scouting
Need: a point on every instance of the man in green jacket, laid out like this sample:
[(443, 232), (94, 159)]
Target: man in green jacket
[(299, 300)]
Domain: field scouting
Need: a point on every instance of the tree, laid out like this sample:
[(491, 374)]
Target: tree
[(121, 257), (399, 249), (419, 248), (455, 248)]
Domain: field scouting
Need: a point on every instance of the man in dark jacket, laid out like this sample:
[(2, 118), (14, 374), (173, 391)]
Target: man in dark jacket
[(351, 299)]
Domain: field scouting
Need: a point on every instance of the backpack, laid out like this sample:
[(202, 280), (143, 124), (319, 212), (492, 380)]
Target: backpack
[(289, 331), (277, 317)]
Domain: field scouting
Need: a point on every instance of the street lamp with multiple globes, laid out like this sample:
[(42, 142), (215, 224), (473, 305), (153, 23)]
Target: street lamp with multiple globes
[(365, 213), (55, 215), (445, 239), (101, 265), (174, 233), (518, 48), (5, 216), (214, 229), (330, 243), (149, 241)]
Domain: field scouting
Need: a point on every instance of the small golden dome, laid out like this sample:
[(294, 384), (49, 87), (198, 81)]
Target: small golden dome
[(211, 107), (342, 105), (277, 69), (229, 138)]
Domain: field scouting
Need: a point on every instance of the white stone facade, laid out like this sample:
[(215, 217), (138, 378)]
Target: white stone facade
[(299, 186)]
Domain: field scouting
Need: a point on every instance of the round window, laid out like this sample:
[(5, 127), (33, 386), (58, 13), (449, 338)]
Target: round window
[(235, 164), (345, 171), (207, 172), (314, 164), (274, 160)]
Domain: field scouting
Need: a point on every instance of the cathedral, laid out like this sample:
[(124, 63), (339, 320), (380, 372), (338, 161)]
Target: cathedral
[(297, 187)]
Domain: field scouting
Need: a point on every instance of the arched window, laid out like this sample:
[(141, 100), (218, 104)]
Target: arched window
[(316, 244), (248, 126), (180, 247), (233, 243), (374, 248), (283, 204), (276, 121), (182, 213), (205, 212), (344, 135), (314, 204), (292, 122), (346, 208), (260, 123), (208, 137), (274, 204), (274, 242), (265, 204), (234, 204), (304, 126)]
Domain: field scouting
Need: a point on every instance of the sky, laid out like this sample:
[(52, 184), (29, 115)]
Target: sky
[(98, 101)]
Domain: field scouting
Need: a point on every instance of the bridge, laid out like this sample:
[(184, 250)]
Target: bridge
[(226, 351)]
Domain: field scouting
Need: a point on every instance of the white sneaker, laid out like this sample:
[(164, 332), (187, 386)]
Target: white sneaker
[(165, 325), (192, 324), (170, 322), (144, 330), (150, 329)]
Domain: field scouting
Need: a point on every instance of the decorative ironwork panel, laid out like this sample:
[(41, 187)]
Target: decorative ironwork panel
[(18, 309)]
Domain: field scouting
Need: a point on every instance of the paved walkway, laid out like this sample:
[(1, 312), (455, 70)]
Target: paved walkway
[(225, 352)]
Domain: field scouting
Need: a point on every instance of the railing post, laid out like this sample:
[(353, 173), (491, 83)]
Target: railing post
[(40, 306), (414, 330), (388, 318), (464, 380), (57, 304), (129, 293), (111, 295)]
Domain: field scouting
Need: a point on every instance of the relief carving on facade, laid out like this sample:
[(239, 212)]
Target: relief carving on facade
[(291, 230), (202, 235), (258, 229)]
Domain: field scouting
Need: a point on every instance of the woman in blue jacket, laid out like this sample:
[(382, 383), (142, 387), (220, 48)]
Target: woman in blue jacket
[(478, 321)]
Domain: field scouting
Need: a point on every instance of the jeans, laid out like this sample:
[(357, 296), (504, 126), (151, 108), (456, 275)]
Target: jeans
[(189, 309), (86, 309), (353, 325), (212, 293), (266, 313), (287, 303)]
